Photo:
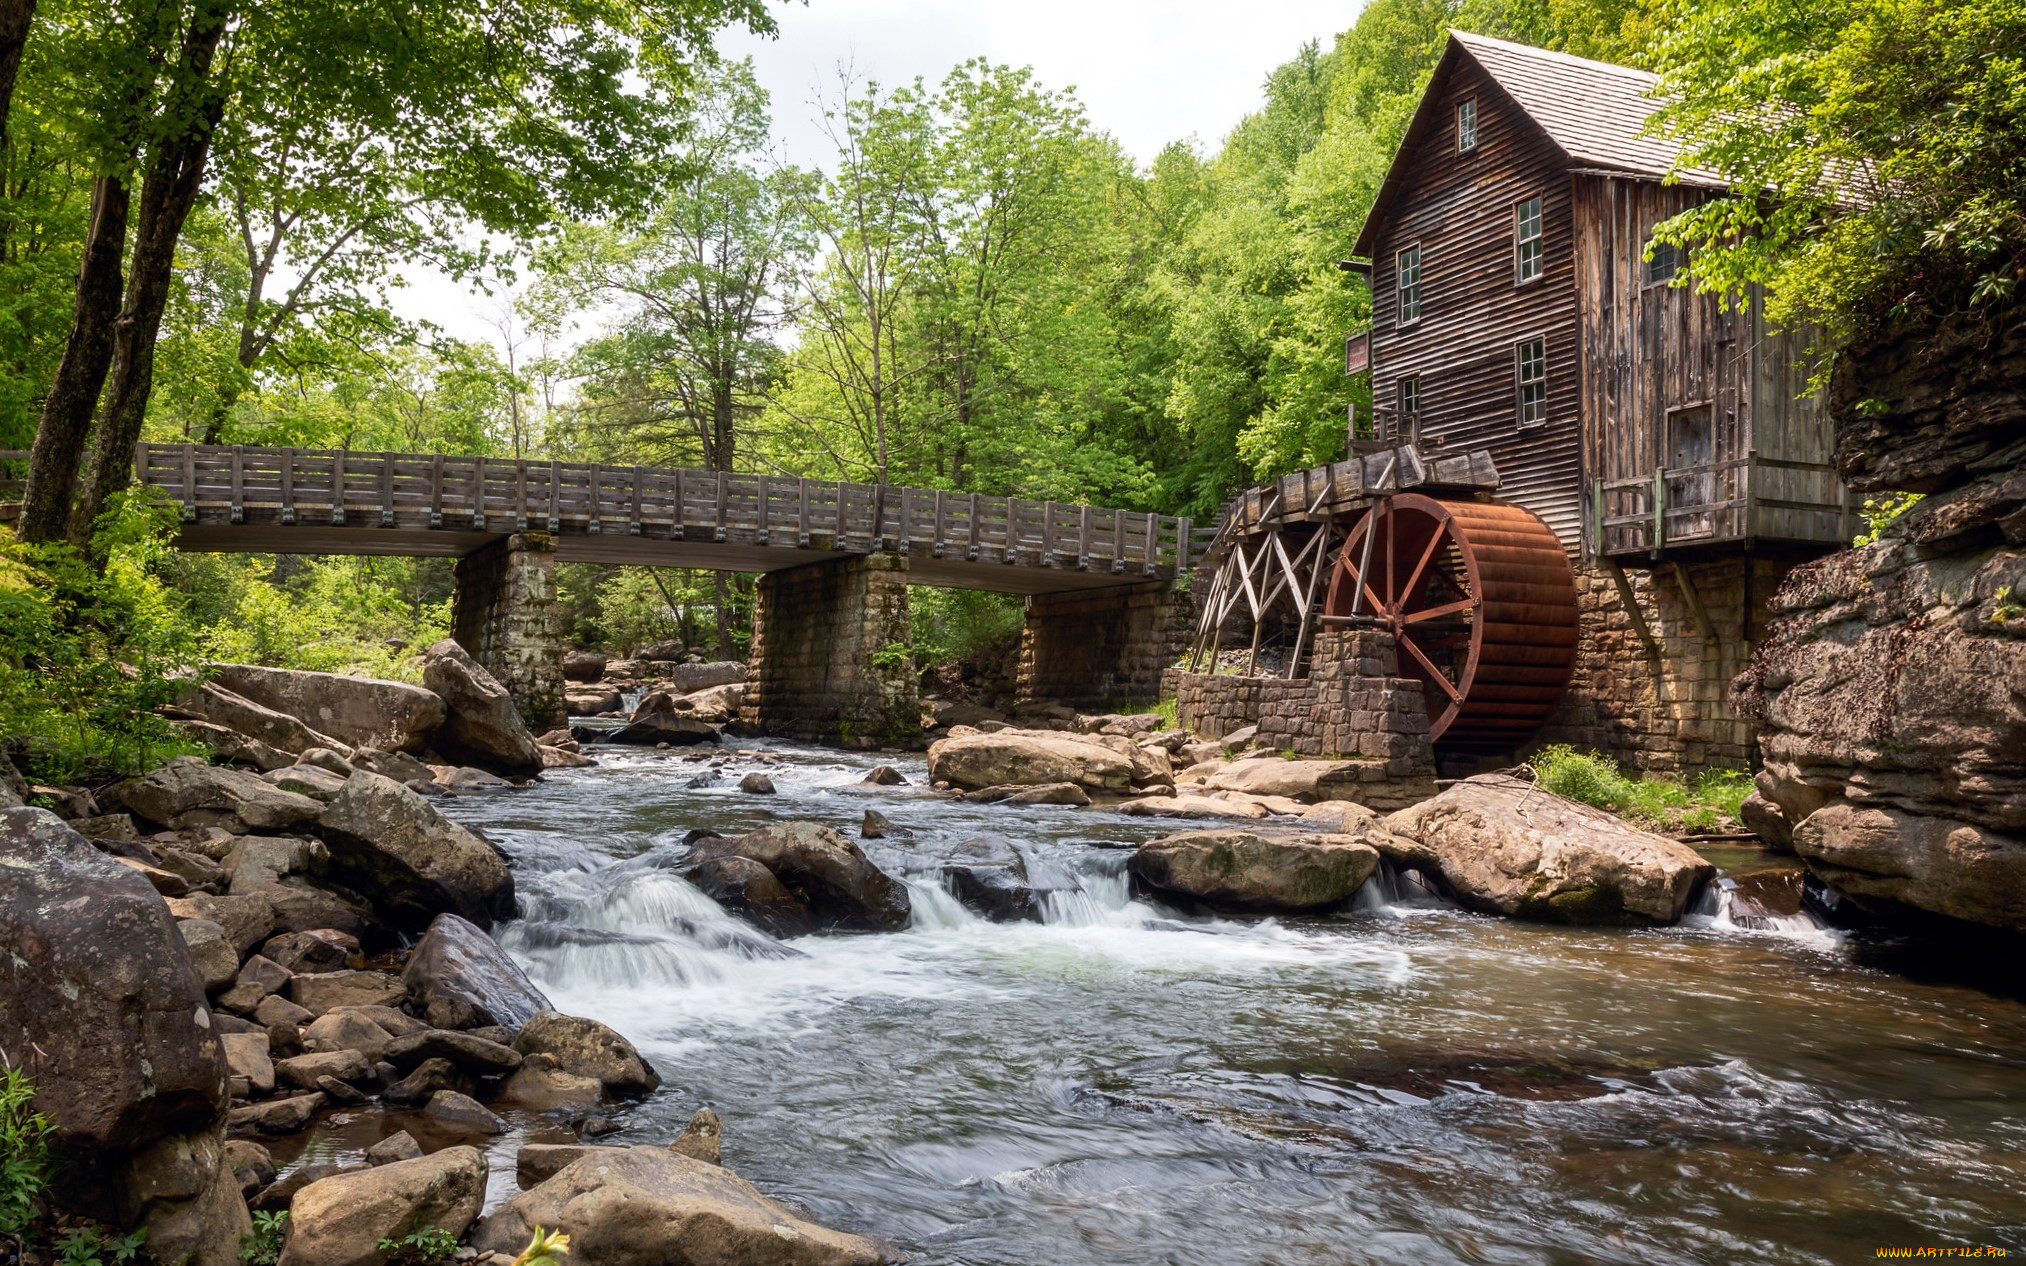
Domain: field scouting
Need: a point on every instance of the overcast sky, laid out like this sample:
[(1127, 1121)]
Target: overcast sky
[(1147, 71)]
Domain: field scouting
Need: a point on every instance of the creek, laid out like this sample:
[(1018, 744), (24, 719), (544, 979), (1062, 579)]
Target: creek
[(1128, 1083)]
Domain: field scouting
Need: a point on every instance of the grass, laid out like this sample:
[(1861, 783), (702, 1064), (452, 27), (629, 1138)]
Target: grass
[(1709, 803)]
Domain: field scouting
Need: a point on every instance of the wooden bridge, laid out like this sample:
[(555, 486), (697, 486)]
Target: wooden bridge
[(320, 501)]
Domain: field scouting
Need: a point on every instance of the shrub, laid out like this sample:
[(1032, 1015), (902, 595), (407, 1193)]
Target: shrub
[(429, 1246), (262, 1245), (1711, 803), (24, 1155)]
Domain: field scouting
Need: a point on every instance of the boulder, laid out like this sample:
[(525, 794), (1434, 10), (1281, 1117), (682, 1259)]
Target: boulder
[(689, 678), (248, 918), (536, 1163), (246, 1058), (277, 1116), (398, 1146), (459, 1113), (1186, 805), (588, 1049), (591, 701), (662, 727), (583, 666), (746, 888), (1273, 776), (399, 766), (279, 1013), (212, 956), (249, 1163), (1041, 793), (1503, 845), (542, 1084), (877, 826), (313, 781), (650, 1206), (322, 992), (289, 872), (885, 776), (1253, 870), (276, 1198), (474, 1055), (702, 1139), (564, 758), (826, 873), (464, 780), (459, 978), (484, 726), (991, 877), (315, 950), (392, 846), (341, 1220), (305, 1071), (1029, 758), (188, 793), (429, 1077), (328, 759), (359, 711), (757, 784), (232, 747), (220, 705), (347, 1030)]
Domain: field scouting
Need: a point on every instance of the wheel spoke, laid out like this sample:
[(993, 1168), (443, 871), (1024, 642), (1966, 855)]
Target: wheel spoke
[(1455, 695), (1436, 613), (1413, 577), (1344, 561)]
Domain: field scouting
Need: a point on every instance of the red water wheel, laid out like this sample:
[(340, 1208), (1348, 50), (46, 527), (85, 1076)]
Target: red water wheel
[(1481, 602)]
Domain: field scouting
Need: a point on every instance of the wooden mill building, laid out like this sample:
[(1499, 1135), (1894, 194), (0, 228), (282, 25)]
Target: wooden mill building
[(1520, 306)]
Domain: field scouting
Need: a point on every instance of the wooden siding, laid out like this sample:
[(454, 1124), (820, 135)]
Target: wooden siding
[(1654, 356), (1459, 209)]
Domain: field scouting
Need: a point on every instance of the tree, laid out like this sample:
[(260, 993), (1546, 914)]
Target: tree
[(512, 112)]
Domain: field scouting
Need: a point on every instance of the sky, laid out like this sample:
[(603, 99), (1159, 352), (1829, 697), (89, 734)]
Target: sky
[(1147, 71)]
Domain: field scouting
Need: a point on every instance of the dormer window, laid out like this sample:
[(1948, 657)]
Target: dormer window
[(1466, 126)]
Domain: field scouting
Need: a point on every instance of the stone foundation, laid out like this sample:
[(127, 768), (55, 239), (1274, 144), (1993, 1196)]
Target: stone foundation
[(832, 657), (1667, 711), (505, 616), (1093, 649), (1354, 705)]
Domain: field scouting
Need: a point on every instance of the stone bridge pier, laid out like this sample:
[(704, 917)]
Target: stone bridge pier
[(505, 615), (832, 656), (1095, 648)]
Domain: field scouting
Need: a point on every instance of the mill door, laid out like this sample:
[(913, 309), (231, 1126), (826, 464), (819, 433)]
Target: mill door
[(1691, 483)]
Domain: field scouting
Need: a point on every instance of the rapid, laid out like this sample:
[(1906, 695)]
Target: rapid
[(1129, 1083)]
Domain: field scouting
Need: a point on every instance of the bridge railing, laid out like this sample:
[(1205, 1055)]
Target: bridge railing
[(288, 486)]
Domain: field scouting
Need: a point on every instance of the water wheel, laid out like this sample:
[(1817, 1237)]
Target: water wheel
[(1481, 602)]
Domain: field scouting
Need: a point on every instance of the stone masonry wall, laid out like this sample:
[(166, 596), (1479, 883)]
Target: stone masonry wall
[(1094, 648), (1353, 706), (505, 615), (831, 654), (1669, 712)]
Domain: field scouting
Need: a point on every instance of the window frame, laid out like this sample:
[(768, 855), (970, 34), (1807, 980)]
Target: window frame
[(1400, 320), (1407, 422), (1521, 382), (1464, 146), (1675, 260), (1520, 276)]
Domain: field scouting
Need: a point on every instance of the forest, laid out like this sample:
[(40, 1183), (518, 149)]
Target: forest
[(209, 207)]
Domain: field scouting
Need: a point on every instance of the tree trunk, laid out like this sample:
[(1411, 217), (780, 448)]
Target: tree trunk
[(15, 18), (175, 176), (74, 392)]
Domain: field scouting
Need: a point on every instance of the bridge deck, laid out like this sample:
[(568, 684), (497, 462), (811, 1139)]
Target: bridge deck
[(302, 501)]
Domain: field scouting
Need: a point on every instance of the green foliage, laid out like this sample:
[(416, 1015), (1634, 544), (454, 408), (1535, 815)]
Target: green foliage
[(1873, 150), (1710, 803), (93, 1245), (430, 1246), (544, 1249), (893, 656), (1881, 512), (262, 1245), (962, 625), (24, 1154), (86, 655)]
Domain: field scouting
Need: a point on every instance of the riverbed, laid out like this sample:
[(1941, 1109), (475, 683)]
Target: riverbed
[(1127, 1083)]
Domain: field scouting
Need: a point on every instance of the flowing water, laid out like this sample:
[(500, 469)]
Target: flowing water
[(1126, 1083)]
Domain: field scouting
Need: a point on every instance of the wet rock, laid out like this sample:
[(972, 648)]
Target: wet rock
[(1252, 870), (101, 1004), (990, 877), (277, 1116), (885, 776), (232, 747), (543, 1085), (877, 826), (188, 793), (588, 1049), (749, 890), (250, 1164), (484, 726), (702, 1139), (1506, 846), (473, 1054), (341, 1220), (390, 845), (591, 701), (648, 1206), (827, 874), (583, 666), (459, 978), (1042, 793), (308, 780), (662, 727), (463, 780), (757, 784), (451, 1110), (347, 1030), (429, 1077), (536, 1163), (399, 1146), (211, 955), (560, 758), (321, 992), (315, 950), (359, 711), (1028, 758), (400, 766)]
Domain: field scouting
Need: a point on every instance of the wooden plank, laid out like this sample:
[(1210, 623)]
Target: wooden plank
[(338, 487), (802, 512), (386, 490), (237, 512), (722, 510), (971, 550), (1627, 600), (1693, 601), (436, 491), (288, 486)]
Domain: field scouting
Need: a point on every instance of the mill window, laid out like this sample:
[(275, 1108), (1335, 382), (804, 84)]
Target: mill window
[(1466, 126), (1531, 365), (1409, 283), (1526, 240), (1407, 426), (1662, 262)]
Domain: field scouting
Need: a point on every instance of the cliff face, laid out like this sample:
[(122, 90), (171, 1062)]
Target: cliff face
[(1891, 686)]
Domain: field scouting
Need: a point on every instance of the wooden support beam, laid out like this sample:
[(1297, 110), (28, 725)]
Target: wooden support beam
[(1631, 605), (1693, 601)]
